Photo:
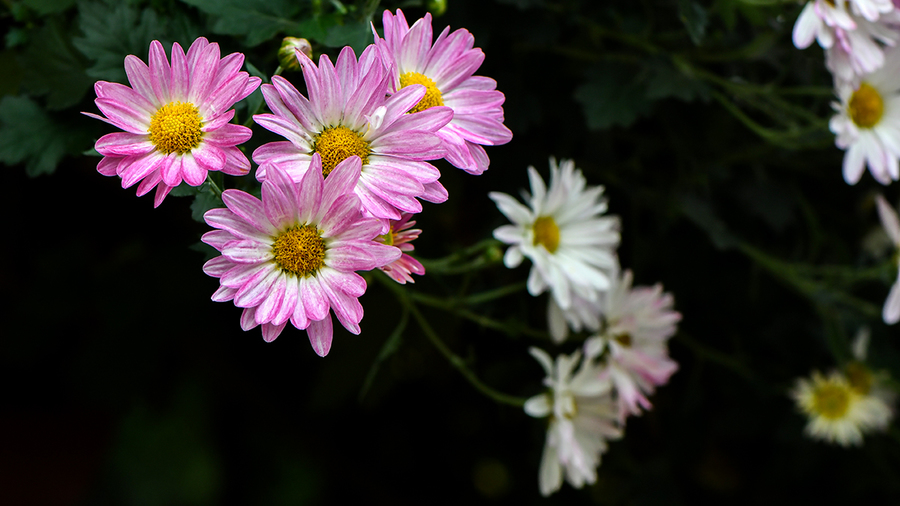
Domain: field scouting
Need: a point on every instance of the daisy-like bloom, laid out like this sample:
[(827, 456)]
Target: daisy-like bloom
[(638, 323), (446, 70), (292, 256), (867, 123), (818, 21), (838, 412), (583, 417), (562, 231), (401, 235), (891, 223), (859, 52), (348, 113), (176, 118)]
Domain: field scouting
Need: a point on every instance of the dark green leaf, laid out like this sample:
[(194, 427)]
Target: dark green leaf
[(663, 81), (389, 348), (702, 214), (29, 135), (610, 97), (355, 35), (257, 20), (184, 190), (112, 31), (45, 7), (694, 17), (52, 67), (204, 201)]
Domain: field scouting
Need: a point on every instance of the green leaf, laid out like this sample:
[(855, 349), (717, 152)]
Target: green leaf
[(204, 201), (702, 214), (44, 7), (355, 35), (257, 20), (113, 30), (52, 67), (389, 348), (663, 80), (28, 134), (694, 17), (610, 97)]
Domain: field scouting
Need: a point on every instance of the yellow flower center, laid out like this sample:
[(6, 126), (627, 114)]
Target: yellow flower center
[(432, 93), (336, 144), (859, 377), (831, 400), (300, 250), (866, 106), (175, 128), (546, 232)]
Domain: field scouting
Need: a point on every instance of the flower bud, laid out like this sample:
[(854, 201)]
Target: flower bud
[(436, 7), (287, 56)]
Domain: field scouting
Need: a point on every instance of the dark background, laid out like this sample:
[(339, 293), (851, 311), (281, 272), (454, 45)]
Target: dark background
[(122, 383)]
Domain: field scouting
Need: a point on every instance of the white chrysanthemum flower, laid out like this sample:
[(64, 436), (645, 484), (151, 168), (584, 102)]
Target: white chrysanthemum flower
[(583, 314), (571, 245), (638, 323), (583, 417), (867, 124), (818, 20), (840, 410), (891, 223)]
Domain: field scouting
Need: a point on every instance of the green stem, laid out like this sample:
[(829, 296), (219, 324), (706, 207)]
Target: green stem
[(214, 187), (454, 359)]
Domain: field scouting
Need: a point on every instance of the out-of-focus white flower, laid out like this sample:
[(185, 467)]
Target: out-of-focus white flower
[(572, 246), (891, 223), (867, 123), (638, 324), (583, 417), (583, 314)]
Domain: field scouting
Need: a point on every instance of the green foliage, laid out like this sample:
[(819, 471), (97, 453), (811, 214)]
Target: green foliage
[(695, 19), (113, 30), (29, 134), (52, 67), (44, 7), (204, 201), (259, 20)]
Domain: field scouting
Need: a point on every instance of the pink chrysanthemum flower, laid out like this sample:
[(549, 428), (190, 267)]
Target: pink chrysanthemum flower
[(446, 70), (176, 118), (401, 235), (292, 256), (638, 324), (348, 114)]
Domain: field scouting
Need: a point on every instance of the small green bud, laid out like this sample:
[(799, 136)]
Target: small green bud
[(287, 56), (494, 254), (436, 7)]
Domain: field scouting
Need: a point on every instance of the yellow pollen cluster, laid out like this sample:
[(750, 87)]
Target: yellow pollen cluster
[(300, 250), (432, 93), (831, 400), (336, 144), (175, 128), (546, 232), (859, 377), (866, 106)]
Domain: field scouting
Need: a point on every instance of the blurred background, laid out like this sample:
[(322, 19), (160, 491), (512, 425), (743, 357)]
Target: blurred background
[(123, 384)]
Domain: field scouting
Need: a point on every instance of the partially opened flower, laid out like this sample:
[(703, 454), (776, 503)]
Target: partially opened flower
[(292, 256), (348, 114), (867, 123), (176, 118), (446, 70), (583, 417), (562, 231), (638, 323), (401, 234), (891, 223)]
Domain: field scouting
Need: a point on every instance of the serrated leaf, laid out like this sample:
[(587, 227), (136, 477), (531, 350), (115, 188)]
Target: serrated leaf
[(52, 67), (184, 190), (29, 135), (355, 35), (112, 31), (610, 97), (694, 17), (257, 20), (204, 201)]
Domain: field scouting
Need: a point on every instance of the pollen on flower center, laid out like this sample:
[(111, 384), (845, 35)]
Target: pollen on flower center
[(300, 250), (831, 400), (546, 232), (866, 106), (859, 377), (175, 128), (336, 144), (432, 93)]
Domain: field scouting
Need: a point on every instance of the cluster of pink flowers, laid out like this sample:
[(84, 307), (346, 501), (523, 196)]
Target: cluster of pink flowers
[(339, 192)]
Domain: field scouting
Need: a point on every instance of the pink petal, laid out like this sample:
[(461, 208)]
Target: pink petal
[(320, 335)]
